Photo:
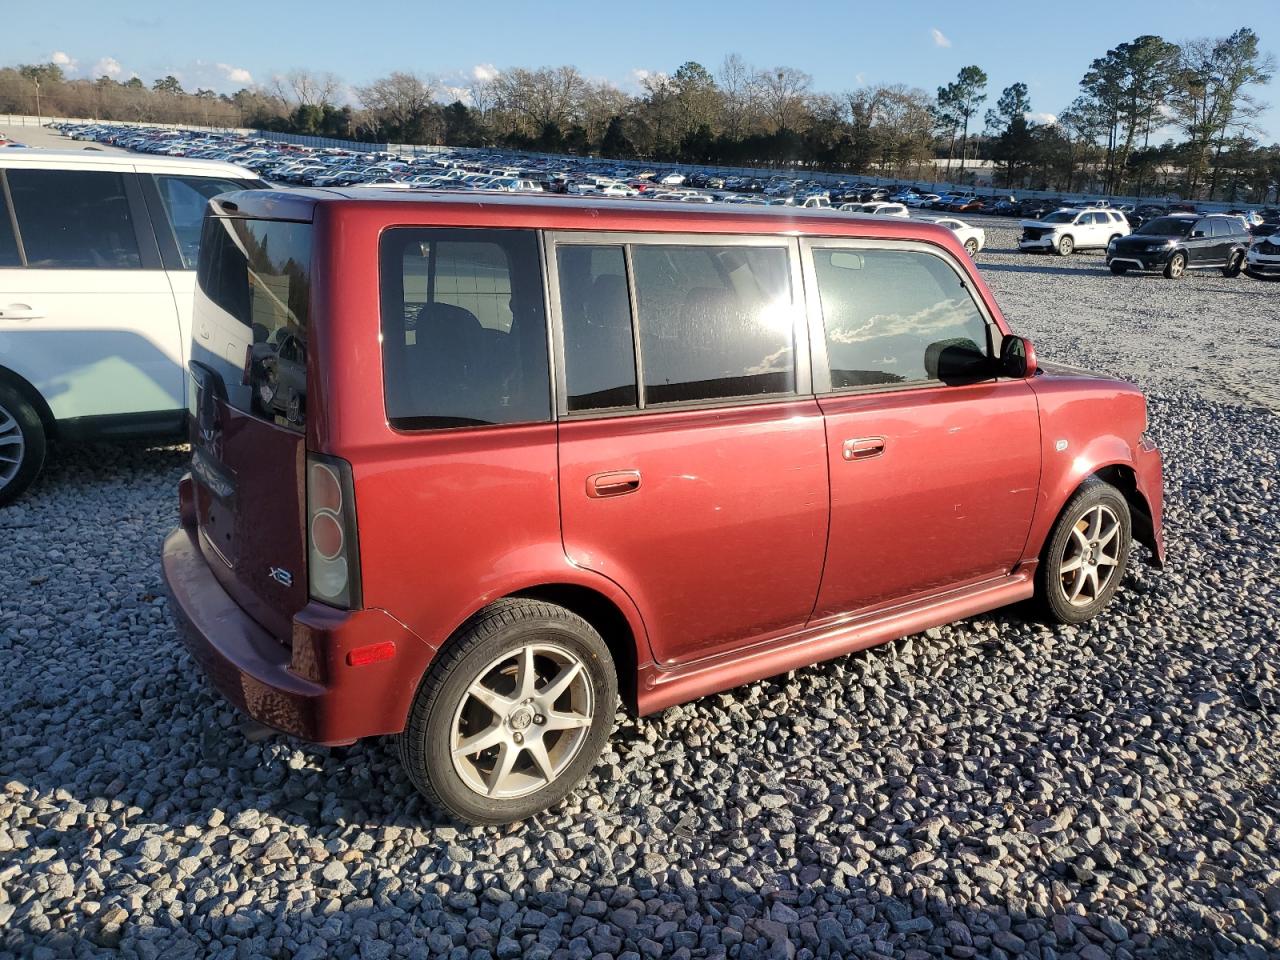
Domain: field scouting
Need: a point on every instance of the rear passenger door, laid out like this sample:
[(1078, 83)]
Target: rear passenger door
[(692, 454), (88, 314), (934, 462)]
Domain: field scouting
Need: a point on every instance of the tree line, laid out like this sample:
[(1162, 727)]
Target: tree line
[(1151, 117)]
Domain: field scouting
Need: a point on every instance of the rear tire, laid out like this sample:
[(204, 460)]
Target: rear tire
[(971, 247), (1085, 557), (1119, 268), (22, 443), (493, 684), (1176, 267), (1066, 246), (1234, 265)]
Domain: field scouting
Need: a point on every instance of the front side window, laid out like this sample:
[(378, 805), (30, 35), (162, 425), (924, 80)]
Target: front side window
[(715, 322), (898, 317), (464, 336), (184, 199), (74, 219)]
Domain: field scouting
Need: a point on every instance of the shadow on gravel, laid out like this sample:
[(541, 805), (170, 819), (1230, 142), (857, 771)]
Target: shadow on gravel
[(1033, 268)]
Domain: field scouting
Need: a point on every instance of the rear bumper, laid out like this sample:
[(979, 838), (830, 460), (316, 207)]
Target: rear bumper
[(307, 688), (1148, 467)]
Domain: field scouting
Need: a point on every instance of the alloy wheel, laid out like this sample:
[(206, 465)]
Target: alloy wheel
[(13, 447), (1091, 557), (1176, 266), (522, 721)]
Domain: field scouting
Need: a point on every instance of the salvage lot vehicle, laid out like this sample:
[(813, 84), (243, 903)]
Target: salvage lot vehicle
[(1068, 230), (971, 238), (97, 260), (1263, 258), (557, 449), (1175, 244)]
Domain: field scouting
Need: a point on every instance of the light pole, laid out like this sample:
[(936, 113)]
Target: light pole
[(39, 117)]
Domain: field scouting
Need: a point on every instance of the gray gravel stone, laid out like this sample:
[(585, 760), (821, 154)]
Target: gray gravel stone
[(987, 788)]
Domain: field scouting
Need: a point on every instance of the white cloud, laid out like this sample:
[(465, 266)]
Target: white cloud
[(859, 78), (64, 60), (1046, 118), (483, 72), (108, 67), (235, 74), (939, 38)]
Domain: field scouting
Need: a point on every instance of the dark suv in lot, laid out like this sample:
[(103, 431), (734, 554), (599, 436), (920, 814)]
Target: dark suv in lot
[(1181, 242)]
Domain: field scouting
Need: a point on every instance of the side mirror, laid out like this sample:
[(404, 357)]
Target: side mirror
[(1017, 357)]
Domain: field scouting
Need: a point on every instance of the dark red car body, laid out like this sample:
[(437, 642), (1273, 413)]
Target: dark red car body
[(759, 543)]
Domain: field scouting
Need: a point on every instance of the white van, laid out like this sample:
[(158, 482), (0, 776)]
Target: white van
[(97, 275)]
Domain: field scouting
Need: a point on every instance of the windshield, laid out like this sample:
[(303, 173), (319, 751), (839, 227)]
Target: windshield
[(1166, 227), (1062, 216)]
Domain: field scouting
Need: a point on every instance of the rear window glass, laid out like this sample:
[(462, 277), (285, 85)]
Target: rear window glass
[(252, 312), (599, 352), (184, 199), (464, 331)]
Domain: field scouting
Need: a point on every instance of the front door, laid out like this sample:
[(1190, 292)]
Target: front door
[(692, 457), (89, 319), (934, 462)]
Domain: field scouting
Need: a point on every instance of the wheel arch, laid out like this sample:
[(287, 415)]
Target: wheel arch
[(1123, 476), (608, 620), (33, 396)]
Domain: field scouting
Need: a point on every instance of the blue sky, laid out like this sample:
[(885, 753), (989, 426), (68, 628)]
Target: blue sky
[(224, 44)]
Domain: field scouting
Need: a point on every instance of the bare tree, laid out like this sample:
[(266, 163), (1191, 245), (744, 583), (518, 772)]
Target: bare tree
[(782, 93), (307, 88), (739, 94), (541, 98), (400, 98)]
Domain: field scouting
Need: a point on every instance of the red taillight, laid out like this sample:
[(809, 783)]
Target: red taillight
[(333, 563), (373, 653)]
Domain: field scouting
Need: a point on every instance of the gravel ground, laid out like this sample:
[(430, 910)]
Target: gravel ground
[(994, 788)]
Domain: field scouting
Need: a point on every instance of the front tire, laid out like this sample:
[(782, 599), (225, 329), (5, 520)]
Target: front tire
[(971, 248), (512, 714), (1066, 246), (1085, 558), (22, 443), (1176, 267), (1119, 268)]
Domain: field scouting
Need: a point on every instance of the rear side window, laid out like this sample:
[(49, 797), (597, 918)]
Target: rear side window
[(715, 321), (1221, 228), (254, 295), (9, 256), (897, 316), (464, 333), (74, 219), (184, 199)]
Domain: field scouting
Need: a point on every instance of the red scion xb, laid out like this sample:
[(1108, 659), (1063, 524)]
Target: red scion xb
[(466, 468)]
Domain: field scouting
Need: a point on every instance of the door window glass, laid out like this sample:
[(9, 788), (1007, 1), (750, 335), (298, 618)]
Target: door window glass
[(1221, 228), (8, 244), (184, 200), (715, 321), (74, 219), (599, 354), (898, 316)]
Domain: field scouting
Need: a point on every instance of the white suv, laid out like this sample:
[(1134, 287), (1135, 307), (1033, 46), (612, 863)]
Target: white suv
[(97, 276), (1065, 231)]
